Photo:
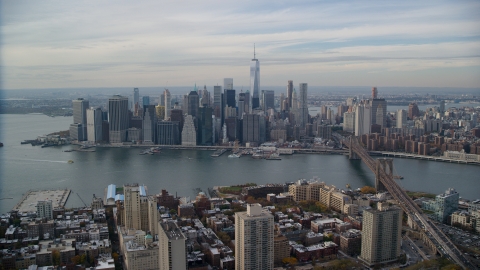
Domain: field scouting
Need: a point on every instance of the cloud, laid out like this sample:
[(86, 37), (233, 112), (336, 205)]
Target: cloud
[(150, 41)]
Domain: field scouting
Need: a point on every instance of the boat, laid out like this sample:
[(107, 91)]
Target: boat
[(274, 156), (1, 144), (218, 153), (398, 177), (70, 161), (234, 155), (257, 155)]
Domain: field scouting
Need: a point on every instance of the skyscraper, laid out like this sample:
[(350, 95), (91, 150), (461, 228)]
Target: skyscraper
[(401, 118), (118, 118), (193, 103), (381, 234), (254, 238), (94, 124), (227, 83), (134, 196), (255, 80), (254, 129), (217, 100), (145, 100), (229, 96), (79, 106), (289, 94), (189, 135), (413, 111), (168, 133), (148, 120), (168, 104), (172, 246), (303, 106), (136, 96), (362, 118), (205, 126), (268, 100)]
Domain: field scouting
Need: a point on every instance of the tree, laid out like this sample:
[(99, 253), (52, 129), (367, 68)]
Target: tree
[(224, 237), (368, 190), (76, 260), (290, 261), (56, 257)]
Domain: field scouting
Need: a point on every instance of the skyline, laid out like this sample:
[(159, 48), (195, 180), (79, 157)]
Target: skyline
[(65, 45)]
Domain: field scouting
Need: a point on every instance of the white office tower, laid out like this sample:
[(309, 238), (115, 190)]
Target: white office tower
[(254, 238), (168, 104), (94, 125), (362, 118), (45, 209), (349, 122), (401, 118), (172, 246), (303, 106), (381, 234), (118, 118), (189, 136), (255, 81)]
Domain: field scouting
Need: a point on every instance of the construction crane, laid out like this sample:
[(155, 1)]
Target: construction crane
[(81, 199)]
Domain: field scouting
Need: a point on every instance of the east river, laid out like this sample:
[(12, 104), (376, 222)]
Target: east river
[(24, 167)]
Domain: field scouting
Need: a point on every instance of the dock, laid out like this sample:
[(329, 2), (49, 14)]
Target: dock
[(28, 203), (218, 153)]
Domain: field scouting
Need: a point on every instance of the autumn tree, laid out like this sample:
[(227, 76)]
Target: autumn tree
[(368, 190), (290, 261), (56, 257)]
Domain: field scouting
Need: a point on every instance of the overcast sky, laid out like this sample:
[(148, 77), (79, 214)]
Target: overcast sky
[(60, 44)]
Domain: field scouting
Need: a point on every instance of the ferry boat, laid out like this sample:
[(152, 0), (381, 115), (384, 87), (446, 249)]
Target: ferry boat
[(234, 155), (70, 161)]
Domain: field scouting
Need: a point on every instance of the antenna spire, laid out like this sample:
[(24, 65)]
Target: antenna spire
[(254, 51)]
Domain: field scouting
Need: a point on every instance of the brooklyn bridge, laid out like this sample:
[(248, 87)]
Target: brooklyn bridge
[(383, 169)]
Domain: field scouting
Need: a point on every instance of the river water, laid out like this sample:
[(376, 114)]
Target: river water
[(24, 167)]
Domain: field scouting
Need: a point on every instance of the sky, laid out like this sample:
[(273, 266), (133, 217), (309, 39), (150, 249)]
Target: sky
[(67, 44)]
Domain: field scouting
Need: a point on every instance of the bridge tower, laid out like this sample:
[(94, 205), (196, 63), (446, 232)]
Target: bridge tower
[(351, 153), (385, 164)]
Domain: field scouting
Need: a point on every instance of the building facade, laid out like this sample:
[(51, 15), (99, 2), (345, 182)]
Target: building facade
[(254, 239)]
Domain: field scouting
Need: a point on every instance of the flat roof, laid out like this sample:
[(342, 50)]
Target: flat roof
[(29, 201)]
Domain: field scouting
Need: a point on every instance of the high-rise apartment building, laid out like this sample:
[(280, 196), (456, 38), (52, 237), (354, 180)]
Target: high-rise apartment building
[(362, 118), (381, 234), (349, 122), (135, 196), (254, 239), (255, 81), (172, 246), (413, 111), (118, 118), (303, 106), (401, 118), (45, 209), (168, 104), (94, 125)]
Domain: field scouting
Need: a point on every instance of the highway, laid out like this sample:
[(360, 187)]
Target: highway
[(436, 235)]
